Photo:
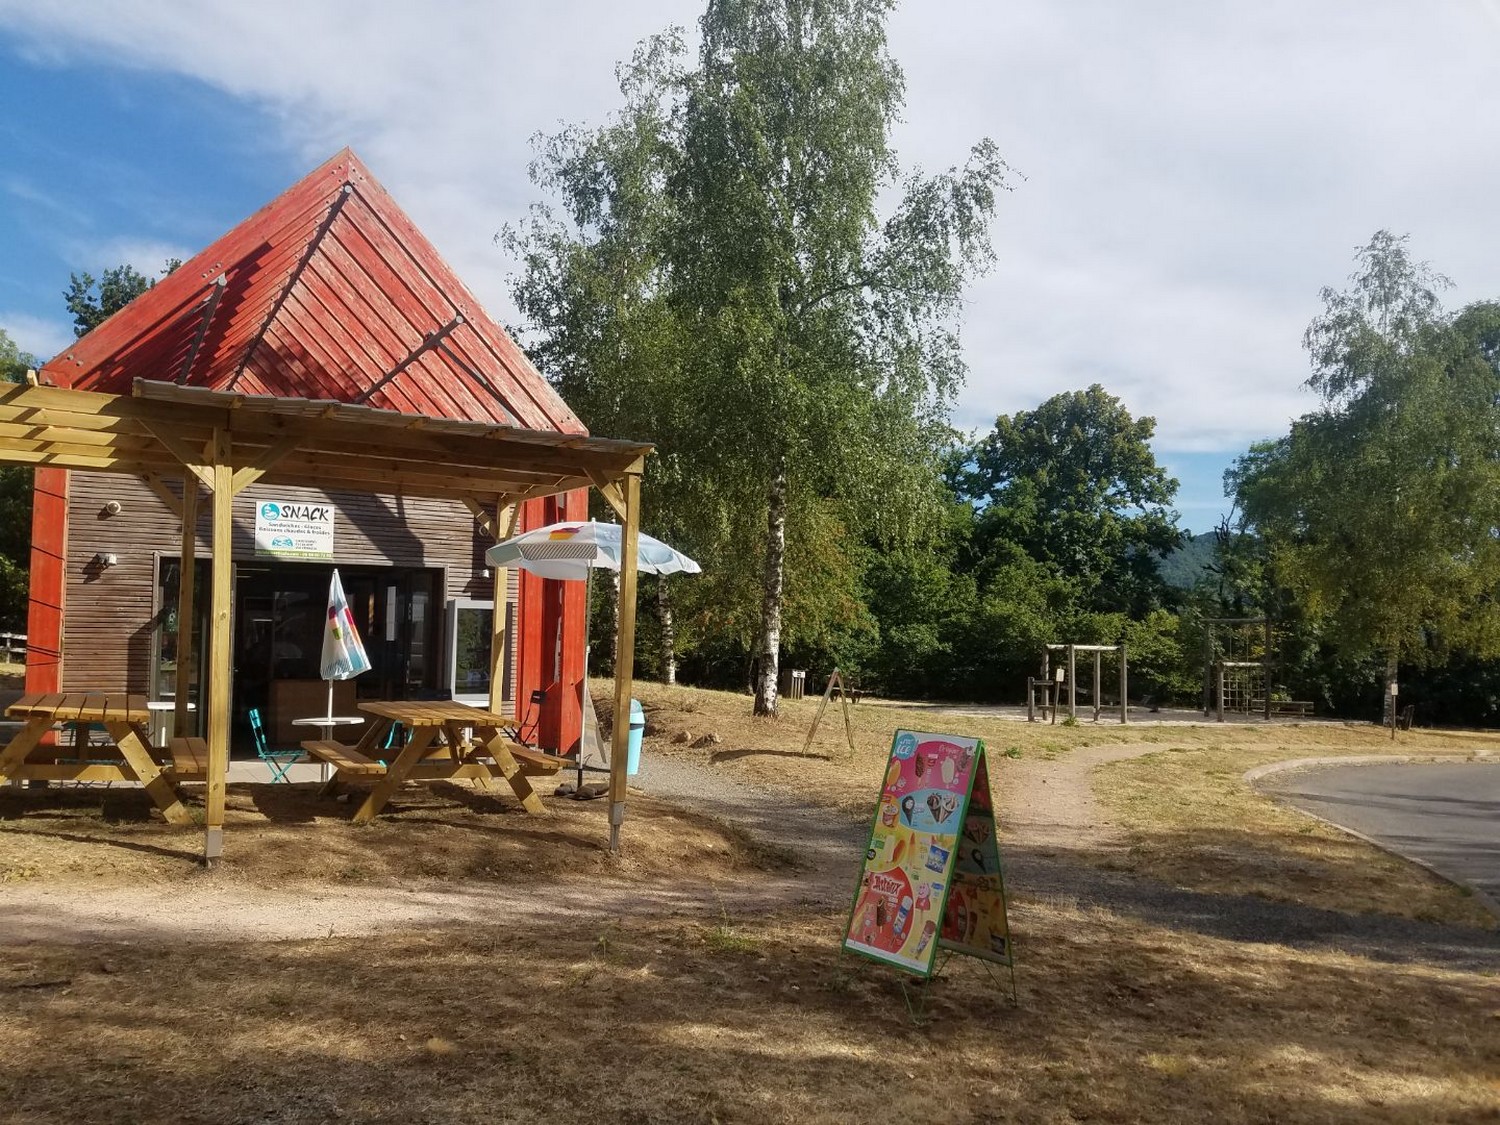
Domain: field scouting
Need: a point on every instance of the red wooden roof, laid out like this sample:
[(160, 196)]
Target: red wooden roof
[(328, 292)]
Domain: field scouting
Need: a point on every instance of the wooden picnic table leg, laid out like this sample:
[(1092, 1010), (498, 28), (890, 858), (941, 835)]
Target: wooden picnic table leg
[(138, 760), (494, 742), (22, 744), (395, 774), (375, 731), (455, 730)]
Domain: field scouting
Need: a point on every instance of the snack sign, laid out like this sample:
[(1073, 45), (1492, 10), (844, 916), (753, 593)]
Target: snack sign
[(931, 875), (292, 530)]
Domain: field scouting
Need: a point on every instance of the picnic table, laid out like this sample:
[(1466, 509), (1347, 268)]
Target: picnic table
[(445, 741), (129, 756)]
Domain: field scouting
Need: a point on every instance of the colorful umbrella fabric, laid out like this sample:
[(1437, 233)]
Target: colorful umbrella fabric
[(343, 652)]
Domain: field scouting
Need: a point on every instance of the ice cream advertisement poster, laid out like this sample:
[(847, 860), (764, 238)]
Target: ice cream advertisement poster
[(974, 919), (899, 903)]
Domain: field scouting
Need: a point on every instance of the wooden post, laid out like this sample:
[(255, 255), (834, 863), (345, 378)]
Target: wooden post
[(505, 523), (1047, 675), (1265, 674), (187, 569), (1208, 668), (1098, 685), (1072, 684), (630, 536), (219, 658), (1124, 685)]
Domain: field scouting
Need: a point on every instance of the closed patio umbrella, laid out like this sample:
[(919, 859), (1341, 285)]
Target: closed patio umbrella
[(343, 652)]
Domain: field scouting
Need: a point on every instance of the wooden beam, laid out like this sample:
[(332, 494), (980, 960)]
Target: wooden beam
[(187, 570), (483, 518), (219, 658), (249, 474), (504, 524), (624, 658), (193, 461), (157, 485), (610, 490)]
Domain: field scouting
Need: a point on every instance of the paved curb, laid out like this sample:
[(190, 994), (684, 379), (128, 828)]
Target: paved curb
[(1258, 772), (1254, 775)]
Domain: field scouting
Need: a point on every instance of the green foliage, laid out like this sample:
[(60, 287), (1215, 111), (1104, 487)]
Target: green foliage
[(92, 302), (15, 507), (1193, 562), (719, 281), (1378, 509), (1075, 485)]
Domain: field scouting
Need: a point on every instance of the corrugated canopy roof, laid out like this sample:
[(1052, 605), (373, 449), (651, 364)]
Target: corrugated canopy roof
[(329, 292)]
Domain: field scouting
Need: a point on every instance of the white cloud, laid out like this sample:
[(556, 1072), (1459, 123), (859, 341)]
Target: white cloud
[(147, 256), (42, 338), (1195, 172)]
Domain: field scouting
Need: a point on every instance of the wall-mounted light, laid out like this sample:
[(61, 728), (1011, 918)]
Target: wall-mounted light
[(106, 559), (112, 508)]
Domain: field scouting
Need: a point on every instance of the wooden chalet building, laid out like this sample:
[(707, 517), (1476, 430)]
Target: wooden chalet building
[(328, 293)]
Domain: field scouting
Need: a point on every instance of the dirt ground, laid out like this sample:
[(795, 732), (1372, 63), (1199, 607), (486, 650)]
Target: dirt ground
[(699, 981), (742, 1020), (283, 835)]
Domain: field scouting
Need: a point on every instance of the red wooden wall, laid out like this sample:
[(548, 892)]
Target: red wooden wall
[(49, 553), (540, 606)]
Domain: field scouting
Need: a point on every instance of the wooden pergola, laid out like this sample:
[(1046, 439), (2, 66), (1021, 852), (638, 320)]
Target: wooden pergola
[(224, 441)]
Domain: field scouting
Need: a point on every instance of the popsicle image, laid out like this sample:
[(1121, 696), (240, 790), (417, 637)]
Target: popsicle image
[(927, 932)]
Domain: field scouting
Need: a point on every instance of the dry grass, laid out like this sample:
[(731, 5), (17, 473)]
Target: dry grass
[(682, 1021), (1194, 821), (770, 751), (283, 835)]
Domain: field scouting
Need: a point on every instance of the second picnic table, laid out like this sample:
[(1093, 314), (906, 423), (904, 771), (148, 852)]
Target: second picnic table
[(445, 741), (130, 757)]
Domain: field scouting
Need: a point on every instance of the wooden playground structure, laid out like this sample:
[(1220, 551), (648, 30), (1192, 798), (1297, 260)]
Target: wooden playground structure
[(1043, 692)]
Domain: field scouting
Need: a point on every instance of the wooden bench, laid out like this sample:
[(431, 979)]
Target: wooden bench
[(189, 757), (346, 759), (534, 762), (1299, 707)]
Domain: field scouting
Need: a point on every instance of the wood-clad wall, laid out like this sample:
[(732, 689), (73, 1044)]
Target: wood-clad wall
[(108, 622)]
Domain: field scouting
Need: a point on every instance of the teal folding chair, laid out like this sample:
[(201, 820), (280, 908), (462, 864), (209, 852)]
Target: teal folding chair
[(279, 760)]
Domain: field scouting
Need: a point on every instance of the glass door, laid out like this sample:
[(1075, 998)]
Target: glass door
[(163, 679)]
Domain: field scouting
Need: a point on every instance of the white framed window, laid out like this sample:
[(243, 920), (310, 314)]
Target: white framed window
[(470, 633)]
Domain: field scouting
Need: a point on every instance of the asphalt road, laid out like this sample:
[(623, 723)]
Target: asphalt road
[(1446, 814)]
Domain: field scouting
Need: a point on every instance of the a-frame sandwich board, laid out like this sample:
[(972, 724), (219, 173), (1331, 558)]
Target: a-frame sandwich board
[(931, 876)]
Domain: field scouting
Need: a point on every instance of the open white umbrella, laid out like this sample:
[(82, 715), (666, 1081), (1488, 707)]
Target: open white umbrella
[(572, 551)]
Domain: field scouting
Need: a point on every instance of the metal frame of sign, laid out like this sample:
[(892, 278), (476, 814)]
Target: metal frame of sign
[(899, 822)]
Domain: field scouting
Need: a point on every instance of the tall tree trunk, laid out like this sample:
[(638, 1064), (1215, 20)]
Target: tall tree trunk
[(770, 612), (668, 631)]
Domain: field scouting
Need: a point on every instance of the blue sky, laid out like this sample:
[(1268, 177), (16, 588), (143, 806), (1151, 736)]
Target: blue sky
[(1193, 174)]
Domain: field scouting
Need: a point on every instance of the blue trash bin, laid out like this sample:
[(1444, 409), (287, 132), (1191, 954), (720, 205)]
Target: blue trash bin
[(637, 730)]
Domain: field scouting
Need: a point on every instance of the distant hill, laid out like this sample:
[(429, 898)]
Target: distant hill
[(1184, 567)]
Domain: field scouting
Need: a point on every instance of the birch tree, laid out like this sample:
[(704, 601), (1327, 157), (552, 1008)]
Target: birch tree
[(733, 209), (1380, 507)]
